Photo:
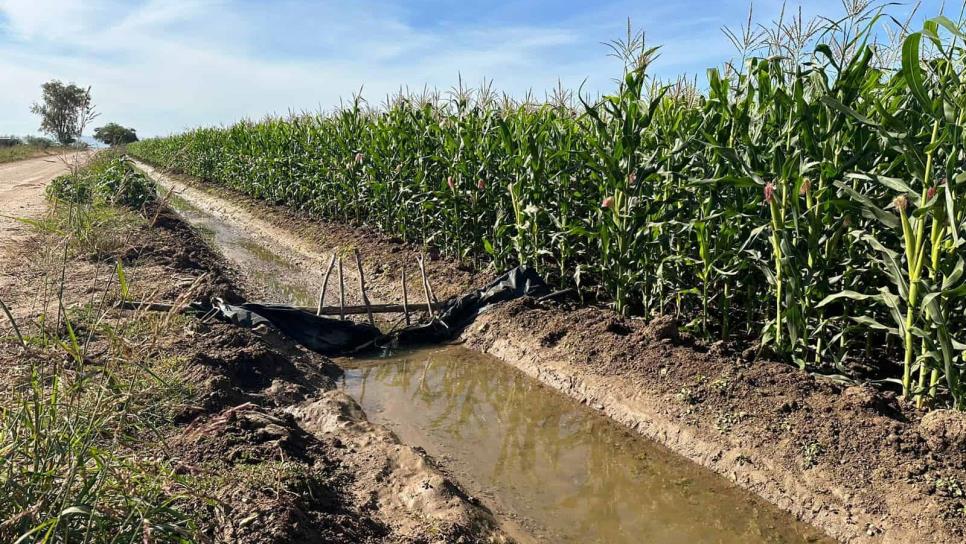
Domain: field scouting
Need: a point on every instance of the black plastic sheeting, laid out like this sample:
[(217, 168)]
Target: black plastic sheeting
[(337, 337), (320, 334), (459, 312)]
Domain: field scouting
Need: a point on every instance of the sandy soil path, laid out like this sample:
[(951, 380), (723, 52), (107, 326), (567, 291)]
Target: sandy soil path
[(22, 186)]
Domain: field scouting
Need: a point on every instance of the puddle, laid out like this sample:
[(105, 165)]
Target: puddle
[(566, 473), (559, 470)]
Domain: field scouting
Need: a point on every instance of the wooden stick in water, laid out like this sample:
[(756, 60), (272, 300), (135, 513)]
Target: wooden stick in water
[(341, 292), (325, 285), (429, 300), (405, 297), (362, 287)]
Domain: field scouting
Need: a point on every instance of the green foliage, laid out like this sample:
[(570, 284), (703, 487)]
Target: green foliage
[(816, 204), (80, 419), (64, 110), (21, 152), (61, 479), (108, 178), (114, 134), (37, 141)]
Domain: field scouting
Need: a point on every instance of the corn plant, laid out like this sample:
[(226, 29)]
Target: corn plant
[(809, 199)]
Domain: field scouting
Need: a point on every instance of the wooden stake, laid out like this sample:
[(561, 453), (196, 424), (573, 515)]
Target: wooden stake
[(405, 297), (374, 308), (430, 287), (429, 300), (341, 292), (362, 287), (325, 285)]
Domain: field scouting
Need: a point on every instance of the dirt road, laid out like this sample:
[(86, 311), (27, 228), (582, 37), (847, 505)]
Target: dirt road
[(22, 186)]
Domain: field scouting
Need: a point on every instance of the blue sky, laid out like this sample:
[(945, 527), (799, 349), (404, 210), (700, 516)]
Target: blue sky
[(165, 65)]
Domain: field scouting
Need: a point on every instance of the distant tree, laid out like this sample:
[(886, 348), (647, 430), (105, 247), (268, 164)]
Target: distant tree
[(64, 111), (114, 134)]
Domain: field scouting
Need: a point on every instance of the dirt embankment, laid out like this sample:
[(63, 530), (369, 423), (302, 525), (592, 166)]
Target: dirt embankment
[(276, 454), (856, 462)]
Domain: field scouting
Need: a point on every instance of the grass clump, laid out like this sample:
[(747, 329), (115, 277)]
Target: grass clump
[(66, 473), (24, 151), (109, 178), (81, 421)]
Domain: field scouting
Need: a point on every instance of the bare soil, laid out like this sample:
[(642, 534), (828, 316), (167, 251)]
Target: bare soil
[(854, 461), (22, 191), (282, 457)]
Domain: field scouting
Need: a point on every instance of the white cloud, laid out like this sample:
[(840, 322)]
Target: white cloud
[(56, 19)]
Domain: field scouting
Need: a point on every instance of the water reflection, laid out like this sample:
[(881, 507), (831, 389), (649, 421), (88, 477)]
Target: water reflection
[(577, 476)]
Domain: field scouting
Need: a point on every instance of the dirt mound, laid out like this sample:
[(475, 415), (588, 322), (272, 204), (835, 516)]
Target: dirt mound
[(175, 244), (231, 366), (273, 482), (944, 432), (400, 479)]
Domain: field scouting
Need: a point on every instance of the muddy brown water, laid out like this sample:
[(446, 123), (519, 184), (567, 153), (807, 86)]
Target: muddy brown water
[(542, 462)]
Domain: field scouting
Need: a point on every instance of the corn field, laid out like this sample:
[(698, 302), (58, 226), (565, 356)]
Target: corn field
[(809, 197)]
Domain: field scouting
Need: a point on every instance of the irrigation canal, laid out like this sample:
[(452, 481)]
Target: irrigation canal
[(544, 464)]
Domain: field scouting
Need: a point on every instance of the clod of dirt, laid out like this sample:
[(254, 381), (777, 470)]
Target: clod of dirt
[(662, 327), (552, 338), (864, 397), (246, 433), (944, 431)]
